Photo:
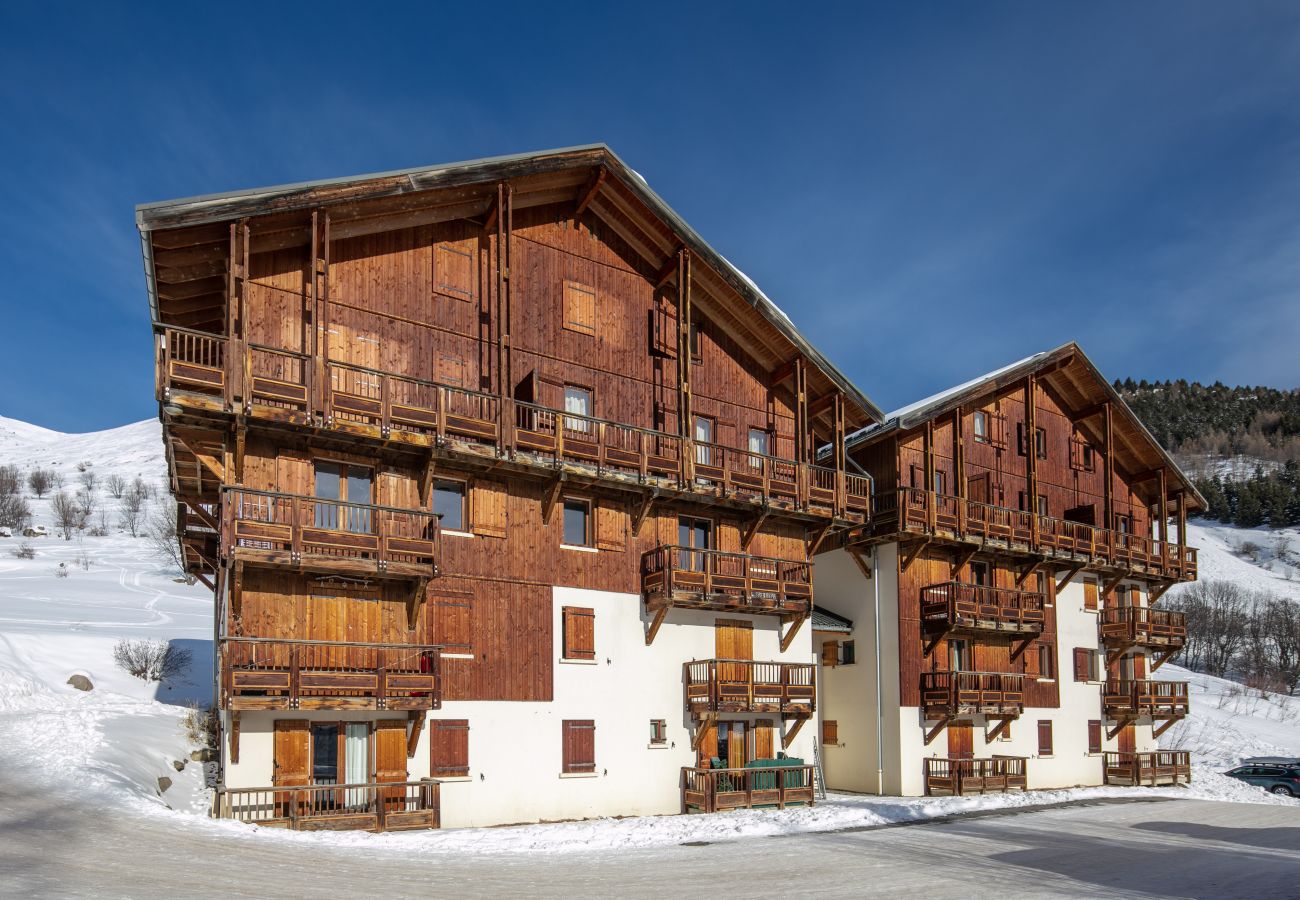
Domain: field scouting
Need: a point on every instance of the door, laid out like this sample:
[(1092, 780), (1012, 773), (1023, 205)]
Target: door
[(694, 534), (577, 400), (732, 749), (292, 762), (390, 759), (343, 484), (703, 434), (764, 739), (733, 640), (1128, 739), (961, 741)]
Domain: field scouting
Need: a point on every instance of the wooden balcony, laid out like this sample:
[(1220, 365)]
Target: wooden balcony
[(954, 606), (947, 694), (729, 582), (1154, 768), (331, 536), (712, 790), (375, 806), (264, 673), (206, 373), (1144, 697), (743, 685), (1141, 626), (958, 777), (917, 511)]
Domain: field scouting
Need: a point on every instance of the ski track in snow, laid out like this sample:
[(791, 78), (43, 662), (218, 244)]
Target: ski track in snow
[(109, 746)]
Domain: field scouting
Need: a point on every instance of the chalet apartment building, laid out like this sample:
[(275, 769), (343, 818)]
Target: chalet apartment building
[(509, 488)]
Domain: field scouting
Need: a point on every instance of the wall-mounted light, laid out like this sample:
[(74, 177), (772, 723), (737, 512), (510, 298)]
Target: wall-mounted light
[(172, 409)]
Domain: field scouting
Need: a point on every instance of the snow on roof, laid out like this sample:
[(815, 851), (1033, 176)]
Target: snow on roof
[(825, 620)]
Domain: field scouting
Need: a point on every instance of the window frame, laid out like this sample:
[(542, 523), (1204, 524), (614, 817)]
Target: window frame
[(463, 530), (658, 732), (1048, 748), (589, 542), (979, 426)]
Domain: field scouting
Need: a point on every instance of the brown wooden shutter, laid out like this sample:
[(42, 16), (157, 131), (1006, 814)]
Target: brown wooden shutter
[(292, 752), (487, 508), (455, 268), (830, 653), (579, 632), (1090, 594), (663, 331), (453, 620), (830, 731), (611, 525), (449, 748), (1033, 660), (579, 307), (1082, 665), (1094, 736), (390, 750), (451, 370), (579, 737), (764, 745), (1044, 737)]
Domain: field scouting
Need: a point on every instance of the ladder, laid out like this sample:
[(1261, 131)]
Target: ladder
[(819, 775)]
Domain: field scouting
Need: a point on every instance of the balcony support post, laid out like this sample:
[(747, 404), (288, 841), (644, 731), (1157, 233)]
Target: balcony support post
[(643, 511), (1031, 460), (752, 528), (788, 738), (911, 555), (1108, 504), (658, 620), (934, 732), (1023, 575), (962, 558), (959, 469), (1069, 576), (1164, 657), (788, 638), (413, 737)]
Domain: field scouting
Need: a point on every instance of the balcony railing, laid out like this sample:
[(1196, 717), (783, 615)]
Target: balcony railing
[(1143, 697), (711, 790), (328, 535), (210, 371), (1143, 626), (980, 607), (955, 777), (711, 579), (375, 806), (926, 512), (1153, 768), (954, 693), (743, 685), (265, 673)]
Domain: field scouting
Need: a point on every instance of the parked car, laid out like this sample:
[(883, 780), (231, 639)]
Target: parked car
[(1283, 779)]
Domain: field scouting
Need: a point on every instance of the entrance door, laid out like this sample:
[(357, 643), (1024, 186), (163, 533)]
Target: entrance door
[(1128, 739), (292, 762), (961, 741), (695, 534), (733, 639), (344, 484), (390, 759), (732, 749)]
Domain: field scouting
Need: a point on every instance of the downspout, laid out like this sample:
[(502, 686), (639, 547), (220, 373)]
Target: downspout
[(880, 708)]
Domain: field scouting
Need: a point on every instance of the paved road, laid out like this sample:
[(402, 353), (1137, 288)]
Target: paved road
[(1180, 848)]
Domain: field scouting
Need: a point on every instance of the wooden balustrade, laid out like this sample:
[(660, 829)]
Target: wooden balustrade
[(264, 381), (711, 790), (955, 777), (373, 806), (266, 673), (925, 512), (1143, 626), (673, 575), (955, 605), (1145, 697), (954, 693), (744, 685), (328, 535), (1151, 768)]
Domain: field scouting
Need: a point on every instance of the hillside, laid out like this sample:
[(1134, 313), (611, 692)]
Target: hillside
[(108, 747)]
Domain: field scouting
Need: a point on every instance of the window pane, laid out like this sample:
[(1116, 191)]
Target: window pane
[(449, 502), (576, 514), (328, 487), (578, 401), (358, 491), (760, 442), (324, 754)]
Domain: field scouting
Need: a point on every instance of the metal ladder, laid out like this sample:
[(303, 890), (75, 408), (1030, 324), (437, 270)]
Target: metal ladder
[(819, 775)]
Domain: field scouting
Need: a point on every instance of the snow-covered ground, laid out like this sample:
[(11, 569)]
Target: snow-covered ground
[(109, 746)]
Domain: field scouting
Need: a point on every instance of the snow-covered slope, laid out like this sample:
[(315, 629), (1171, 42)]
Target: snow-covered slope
[(109, 746)]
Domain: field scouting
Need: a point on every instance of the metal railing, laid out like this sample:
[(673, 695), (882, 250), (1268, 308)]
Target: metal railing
[(710, 790), (687, 576), (945, 776), (956, 604), (745, 685), (374, 806)]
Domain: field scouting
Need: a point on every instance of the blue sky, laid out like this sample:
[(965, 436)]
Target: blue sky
[(931, 190)]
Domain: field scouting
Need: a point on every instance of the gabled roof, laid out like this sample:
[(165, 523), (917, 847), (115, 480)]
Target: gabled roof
[(1075, 380), (357, 190)]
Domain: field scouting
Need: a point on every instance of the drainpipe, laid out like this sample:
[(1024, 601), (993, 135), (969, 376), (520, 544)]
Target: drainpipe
[(880, 708)]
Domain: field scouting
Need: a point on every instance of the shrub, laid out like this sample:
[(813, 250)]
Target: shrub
[(116, 485), (24, 551), (10, 480), (150, 660), (14, 511), (40, 481)]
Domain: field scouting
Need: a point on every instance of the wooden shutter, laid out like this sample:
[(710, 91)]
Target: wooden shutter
[(663, 331), (830, 653), (449, 748), (961, 740), (453, 620), (764, 745), (579, 736), (1094, 736), (1090, 594), (455, 269), (708, 742), (830, 732), (579, 307), (1082, 665), (487, 508), (292, 752), (1044, 737), (611, 525), (1033, 660), (579, 632), (451, 370), (390, 750)]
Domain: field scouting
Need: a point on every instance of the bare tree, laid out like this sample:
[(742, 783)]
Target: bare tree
[(39, 480), (130, 512), (56, 479), (10, 480), (116, 485), (67, 515), (14, 511), (151, 660), (89, 479), (86, 505), (163, 539), (142, 487)]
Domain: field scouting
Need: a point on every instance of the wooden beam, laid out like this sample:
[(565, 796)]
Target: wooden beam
[(413, 737), (426, 481), (863, 566), (910, 556), (643, 511), (788, 638), (783, 372), (1168, 723), (1163, 658), (1110, 585), (815, 541), (206, 582), (706, 722), (752, 529), (667, 272), (234, 738), (1003, 724), (1119, 726), (1108, 468), (1028, 570), (658, 620), (418, 591), (552, 495), (1155, 593), (589, 193), (788, 738), (934, 732), (1069, 574), (962, 558)]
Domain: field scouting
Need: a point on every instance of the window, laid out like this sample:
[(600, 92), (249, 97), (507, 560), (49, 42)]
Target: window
[(1085, 664), (703, 435), (1042, 504), (979, 573), (830, 732), (1094, 736), (1044, 737), (579, 746), (760, 441), (579, 632), (658, 731), (838, 653), (1040, 443), (940, 483), (1089, 463), (449, 503), (449, 748), (1042, 660), (958, 656), (579, 308), (577, 400), (696, 356), (577, 522), (980, 426), (343, 485), (848, 656), (694, 535)]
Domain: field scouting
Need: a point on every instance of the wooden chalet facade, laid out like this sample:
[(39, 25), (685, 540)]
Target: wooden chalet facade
[(1024, 530), (507, 486)]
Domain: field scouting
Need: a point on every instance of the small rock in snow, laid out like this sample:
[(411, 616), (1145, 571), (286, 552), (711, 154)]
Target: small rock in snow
[(163, 783), (81, 683), (178, 765), (207, 754)]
